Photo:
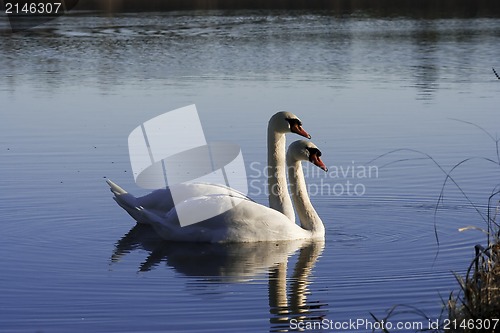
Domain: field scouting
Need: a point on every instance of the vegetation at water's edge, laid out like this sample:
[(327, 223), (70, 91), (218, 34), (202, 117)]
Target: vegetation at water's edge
[(477, 305)]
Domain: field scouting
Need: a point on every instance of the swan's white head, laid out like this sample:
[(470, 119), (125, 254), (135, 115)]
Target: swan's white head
[(287, 122), (303, 150)]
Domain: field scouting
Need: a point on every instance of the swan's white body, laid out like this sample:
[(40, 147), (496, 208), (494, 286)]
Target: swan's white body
[(246, 221), (161, 201)]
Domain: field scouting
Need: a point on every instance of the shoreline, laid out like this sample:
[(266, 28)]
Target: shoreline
[(412, 8)]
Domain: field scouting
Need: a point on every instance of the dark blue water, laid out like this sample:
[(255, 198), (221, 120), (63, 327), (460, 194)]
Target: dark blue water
[(72, 91)]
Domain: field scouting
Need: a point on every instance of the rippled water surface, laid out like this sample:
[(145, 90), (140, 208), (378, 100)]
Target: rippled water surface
[(72, 90)]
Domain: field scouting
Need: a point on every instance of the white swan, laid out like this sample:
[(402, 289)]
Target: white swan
[(246, 221), (161, 201)]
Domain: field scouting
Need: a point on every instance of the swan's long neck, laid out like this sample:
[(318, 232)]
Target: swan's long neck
[(279, 197), (309, 219)]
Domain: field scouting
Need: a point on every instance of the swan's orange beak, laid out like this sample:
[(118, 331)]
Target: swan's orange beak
[(296, 128), (316, 160)]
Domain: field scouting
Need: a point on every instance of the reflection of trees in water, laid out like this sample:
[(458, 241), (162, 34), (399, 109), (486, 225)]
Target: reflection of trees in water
[(426, 71), (238, 263), (106, 54), (457, 42)]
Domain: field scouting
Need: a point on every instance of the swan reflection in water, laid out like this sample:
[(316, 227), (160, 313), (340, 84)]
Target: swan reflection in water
[(238, 263)]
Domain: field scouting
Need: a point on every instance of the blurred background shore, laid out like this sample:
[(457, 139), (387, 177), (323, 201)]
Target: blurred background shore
[(422, 8)]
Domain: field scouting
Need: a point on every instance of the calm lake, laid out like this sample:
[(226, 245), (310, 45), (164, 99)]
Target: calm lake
[(72, 90)]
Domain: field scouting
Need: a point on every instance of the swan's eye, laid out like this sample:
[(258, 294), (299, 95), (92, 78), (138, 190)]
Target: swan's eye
[(294, 121), (313, 152)]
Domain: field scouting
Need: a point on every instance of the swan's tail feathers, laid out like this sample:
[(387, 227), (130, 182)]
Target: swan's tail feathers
[(135, 207), (117, 190), (127, 201)]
